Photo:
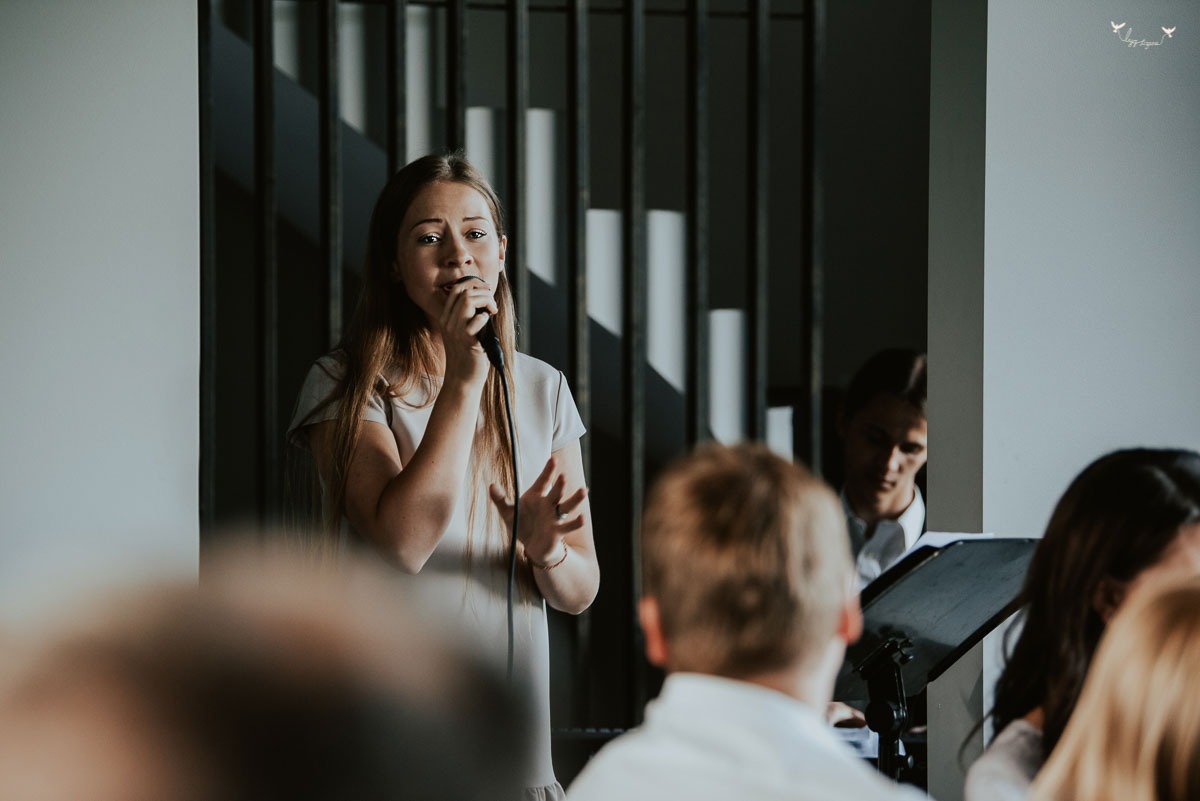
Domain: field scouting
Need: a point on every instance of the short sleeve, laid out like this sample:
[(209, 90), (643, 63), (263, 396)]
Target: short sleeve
[(316, 402), (568, 425)]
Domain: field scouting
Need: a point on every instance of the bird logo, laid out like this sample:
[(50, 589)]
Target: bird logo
[(1116, 27), (1170, 32)]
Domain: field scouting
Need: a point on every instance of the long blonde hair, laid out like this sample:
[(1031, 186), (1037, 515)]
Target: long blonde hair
[(1135, 733), (388, 349)]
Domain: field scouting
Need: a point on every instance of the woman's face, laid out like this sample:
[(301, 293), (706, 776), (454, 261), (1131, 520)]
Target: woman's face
[(447, 233), (1180, 560)]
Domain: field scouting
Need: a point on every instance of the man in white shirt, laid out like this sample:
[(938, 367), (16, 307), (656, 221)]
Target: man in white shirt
[(748, 604), (884, 438)]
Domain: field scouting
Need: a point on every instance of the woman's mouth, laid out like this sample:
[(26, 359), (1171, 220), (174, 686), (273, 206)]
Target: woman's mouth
[(446, 287)]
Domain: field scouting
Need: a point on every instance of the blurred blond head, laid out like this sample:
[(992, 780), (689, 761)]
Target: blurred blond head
[(1135, 732), (746, 563), (271, 680)]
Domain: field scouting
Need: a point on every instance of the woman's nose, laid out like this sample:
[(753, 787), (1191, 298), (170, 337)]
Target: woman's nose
[(456, 251)]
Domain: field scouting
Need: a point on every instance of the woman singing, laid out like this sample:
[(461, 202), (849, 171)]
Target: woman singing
[(406, 422)]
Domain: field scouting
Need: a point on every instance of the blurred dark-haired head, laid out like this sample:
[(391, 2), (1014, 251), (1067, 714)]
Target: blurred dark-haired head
[(272, 681), (1123, 520)]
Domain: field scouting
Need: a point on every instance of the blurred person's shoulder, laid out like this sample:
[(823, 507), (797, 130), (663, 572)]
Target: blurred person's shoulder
[(1006, 769)]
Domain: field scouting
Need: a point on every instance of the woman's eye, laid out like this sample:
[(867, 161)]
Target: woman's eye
[(477, 234), (428, 239)]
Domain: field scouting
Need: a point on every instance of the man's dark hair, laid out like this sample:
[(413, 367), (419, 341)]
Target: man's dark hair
[(895, 371)]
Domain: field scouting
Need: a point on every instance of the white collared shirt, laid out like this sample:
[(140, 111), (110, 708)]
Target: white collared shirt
[(891, 540), (708, 738)]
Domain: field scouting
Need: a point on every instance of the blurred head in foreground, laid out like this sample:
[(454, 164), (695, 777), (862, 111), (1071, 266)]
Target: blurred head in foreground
[(1130, 519), (270, 681), (747, 573), (1135, 733), (748, 602)]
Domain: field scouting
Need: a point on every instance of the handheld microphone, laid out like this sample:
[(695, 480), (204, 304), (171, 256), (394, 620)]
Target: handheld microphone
[(487, 335), (491, 342)]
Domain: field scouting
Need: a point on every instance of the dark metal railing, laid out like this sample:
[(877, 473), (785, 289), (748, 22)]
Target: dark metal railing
[(456, 74), (807, 423), (268, 262), (612, 10), (697, 219), (330, 127), (579, 196), (633, 317), (757, 192), (517, 96), (397, 100), (578, 199)]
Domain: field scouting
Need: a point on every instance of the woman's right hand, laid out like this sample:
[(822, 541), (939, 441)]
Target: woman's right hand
[(460, 321)]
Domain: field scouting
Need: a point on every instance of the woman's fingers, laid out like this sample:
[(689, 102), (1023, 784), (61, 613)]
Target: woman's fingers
[(574, 524), (463, 307), (476, 323), (539, 485), (556, 490), (569, 505)]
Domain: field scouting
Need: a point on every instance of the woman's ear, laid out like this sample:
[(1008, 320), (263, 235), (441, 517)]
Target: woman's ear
[(503, 249), (656, 643), (1108, 597), (397, 278)]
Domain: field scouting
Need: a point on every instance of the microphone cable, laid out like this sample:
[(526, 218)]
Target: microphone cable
[(495, 353), (512, 546)]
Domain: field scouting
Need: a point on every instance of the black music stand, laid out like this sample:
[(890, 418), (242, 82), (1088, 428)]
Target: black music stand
[(919, 618)]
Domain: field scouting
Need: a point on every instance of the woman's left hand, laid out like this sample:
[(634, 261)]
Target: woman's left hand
[(556, 531), (546, 515)]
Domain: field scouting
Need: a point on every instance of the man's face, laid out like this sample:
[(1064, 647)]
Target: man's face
[(885, 445)]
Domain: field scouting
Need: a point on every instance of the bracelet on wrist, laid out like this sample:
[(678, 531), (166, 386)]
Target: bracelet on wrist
[(566, 552)]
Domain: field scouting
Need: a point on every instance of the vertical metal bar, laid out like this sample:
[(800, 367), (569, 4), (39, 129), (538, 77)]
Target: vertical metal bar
[(757, 193), (808, 425), (397, 98), (208, 280), (515, 143), (697, 215), (579, 195), (633, 318), (579, 363), (269, 456), (331, 164), (456, 74)]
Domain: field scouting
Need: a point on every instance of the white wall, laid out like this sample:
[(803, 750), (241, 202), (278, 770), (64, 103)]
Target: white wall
[(99, 306), (1081, 316), (1092, 279)]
